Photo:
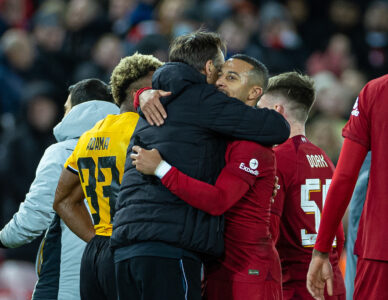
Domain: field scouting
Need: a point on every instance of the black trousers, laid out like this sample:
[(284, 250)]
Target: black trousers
[(97, 276), (158, 278)]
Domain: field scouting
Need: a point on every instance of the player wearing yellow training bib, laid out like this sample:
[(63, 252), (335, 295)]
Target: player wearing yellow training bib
[(94, 171), (99, 159)]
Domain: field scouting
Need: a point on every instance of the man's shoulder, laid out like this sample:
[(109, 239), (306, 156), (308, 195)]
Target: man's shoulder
[(285, 150), (296, 145), (60, 149), (286, 158), (201, 90), (249, 149), (114, 123), (374, 91), (246, 146), (380, 82)]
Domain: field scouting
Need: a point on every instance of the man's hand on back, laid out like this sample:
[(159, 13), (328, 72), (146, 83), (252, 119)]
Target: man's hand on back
[(151, 106), (146, 161)]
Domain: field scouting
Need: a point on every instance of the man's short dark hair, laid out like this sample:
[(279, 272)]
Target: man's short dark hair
[(298, 89), (89, 89), (259, 74), (196, 48)]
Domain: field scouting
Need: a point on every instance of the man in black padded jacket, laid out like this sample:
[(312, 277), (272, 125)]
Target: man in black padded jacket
[(159, 240)]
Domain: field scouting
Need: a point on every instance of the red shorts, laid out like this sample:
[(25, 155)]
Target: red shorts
[(296, 290), (234, 290), (371, 280)]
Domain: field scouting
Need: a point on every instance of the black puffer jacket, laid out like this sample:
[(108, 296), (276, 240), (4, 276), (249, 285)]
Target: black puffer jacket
[(193, 139)]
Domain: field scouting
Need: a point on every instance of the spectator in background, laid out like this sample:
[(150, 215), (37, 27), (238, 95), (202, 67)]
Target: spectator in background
[(353, 80), (26, 145), (141, 13), (333, 99), (190, 21), (235, 36), (119, 12), (344, 17), (106, 55), (215, 11), (169, 12), (336, 58), (14, 13), (329, 114), (154, 44), (373, 55), (85, 23), (310, 20), (248, 14), (325, 134), (49, 34), (278, 43), (16, 64)]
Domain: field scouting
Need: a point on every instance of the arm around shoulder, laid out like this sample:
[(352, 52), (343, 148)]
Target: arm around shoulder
[(232, 117)]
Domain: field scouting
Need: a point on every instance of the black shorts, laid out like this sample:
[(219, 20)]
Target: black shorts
[(151, 278), (97, 276)]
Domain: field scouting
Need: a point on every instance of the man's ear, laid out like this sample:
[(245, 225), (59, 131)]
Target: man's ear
[(208, 67), (279, 108), (255, 93)]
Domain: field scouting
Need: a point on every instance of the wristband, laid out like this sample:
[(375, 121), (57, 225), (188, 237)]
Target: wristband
[(136, 102), (162, 169)]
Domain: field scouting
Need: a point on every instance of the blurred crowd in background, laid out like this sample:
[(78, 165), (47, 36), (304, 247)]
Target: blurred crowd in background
[(47, 45)]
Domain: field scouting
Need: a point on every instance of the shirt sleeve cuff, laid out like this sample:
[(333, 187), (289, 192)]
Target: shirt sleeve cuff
[(162, 169), (136, 100)]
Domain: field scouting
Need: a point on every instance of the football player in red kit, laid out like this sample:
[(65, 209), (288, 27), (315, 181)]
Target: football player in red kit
[(304, 173), (250, 267), (365, 131)]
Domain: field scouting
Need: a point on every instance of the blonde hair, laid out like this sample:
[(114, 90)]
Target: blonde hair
[(128, 74)]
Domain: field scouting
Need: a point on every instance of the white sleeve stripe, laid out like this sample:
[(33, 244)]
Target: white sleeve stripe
[(72, 169)]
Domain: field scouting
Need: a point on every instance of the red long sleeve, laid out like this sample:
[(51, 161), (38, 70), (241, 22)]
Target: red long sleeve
[(340, 191), (340, 239), (245, 163), (214, 200)]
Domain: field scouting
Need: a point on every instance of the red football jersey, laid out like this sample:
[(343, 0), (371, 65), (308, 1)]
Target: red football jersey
[(304, 173), (367, 126), (243, 191)]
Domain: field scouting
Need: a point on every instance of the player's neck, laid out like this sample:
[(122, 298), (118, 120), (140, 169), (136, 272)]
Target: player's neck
[(297, 129), (126, 107)]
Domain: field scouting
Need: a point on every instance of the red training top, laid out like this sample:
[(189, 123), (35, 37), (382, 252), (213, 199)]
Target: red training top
[(243, 191)]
